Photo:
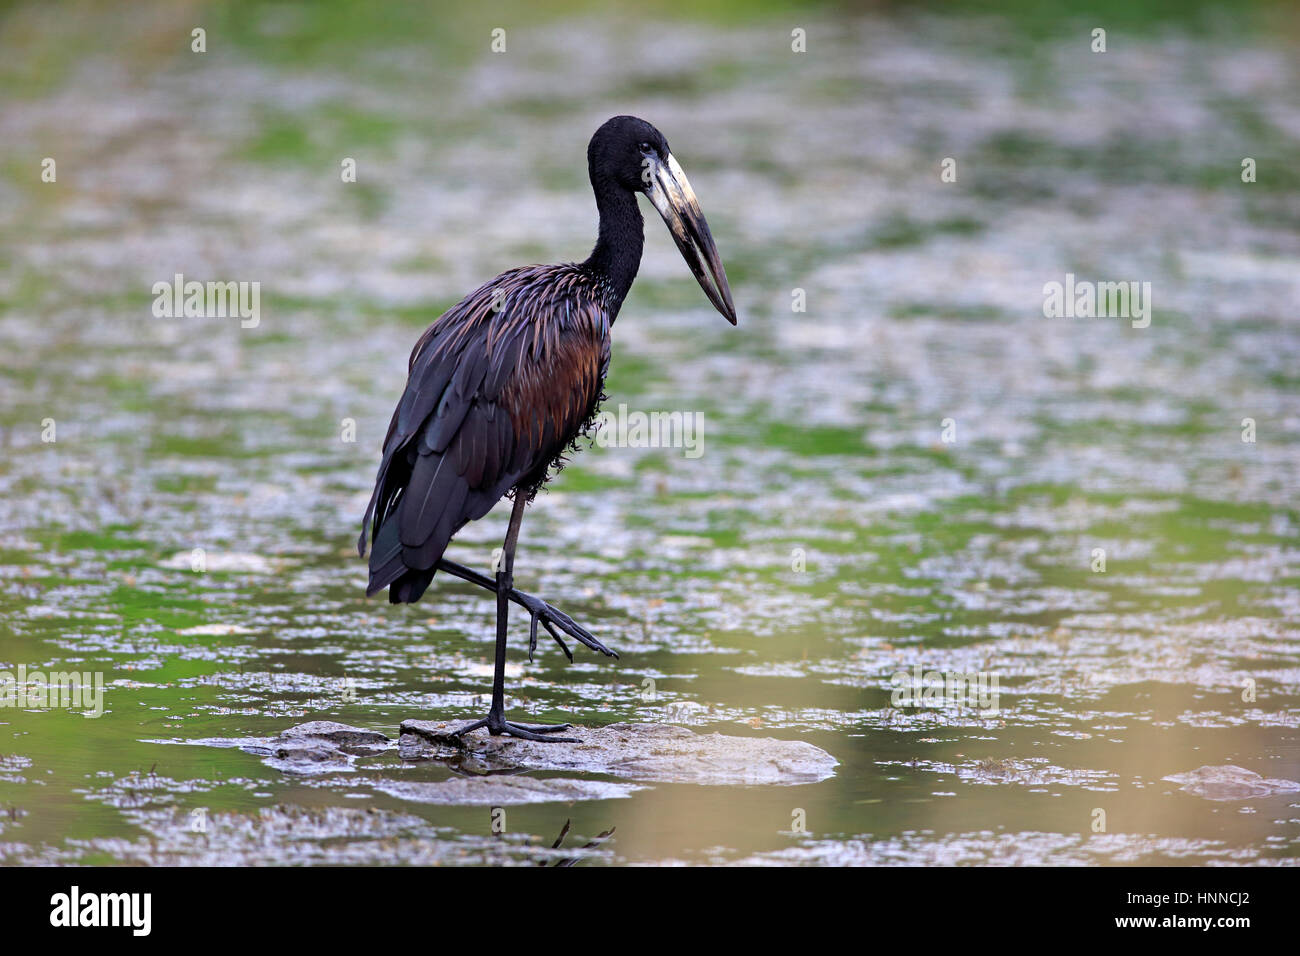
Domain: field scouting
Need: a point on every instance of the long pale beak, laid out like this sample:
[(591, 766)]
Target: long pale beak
[(673, 196)]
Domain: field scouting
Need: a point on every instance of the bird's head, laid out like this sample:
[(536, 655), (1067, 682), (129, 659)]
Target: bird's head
[(636, 156)]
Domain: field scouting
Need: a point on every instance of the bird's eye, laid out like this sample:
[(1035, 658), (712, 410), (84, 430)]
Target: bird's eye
[(646, 147)]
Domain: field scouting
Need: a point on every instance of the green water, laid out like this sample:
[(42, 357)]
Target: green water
[(834, 531)]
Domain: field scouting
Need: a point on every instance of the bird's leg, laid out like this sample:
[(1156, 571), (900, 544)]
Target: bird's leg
[(539, 611), (495, 721)]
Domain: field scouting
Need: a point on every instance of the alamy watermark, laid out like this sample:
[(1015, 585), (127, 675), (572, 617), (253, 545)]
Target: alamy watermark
[(210, 300), (941, 689), (75, 908), (624, 429), (1084, 299), (37, 690)]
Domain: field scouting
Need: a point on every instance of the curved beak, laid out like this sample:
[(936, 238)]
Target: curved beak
[(671, 193)]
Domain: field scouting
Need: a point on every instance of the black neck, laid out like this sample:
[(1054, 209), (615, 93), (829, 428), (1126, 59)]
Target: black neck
[(617, 254)]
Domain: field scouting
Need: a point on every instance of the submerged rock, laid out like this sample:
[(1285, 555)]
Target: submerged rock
[(641, 753), (653, 753), (1230, 783), (318, 746), (322, 745), (340, 735)]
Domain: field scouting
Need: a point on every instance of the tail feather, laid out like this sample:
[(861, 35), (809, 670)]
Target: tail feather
[(407, 571), (410, 587), (386, 564)]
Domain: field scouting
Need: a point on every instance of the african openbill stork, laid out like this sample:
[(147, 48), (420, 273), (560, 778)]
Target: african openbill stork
[(502, 385)]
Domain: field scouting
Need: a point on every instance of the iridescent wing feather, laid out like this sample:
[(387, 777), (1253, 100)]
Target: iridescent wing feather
[(498, 387)]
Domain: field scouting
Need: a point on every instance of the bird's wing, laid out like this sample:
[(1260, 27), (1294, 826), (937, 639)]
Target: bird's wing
[(497, 387)]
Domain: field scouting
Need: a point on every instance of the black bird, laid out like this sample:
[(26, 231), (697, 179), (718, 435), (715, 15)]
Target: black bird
[(503, 384)]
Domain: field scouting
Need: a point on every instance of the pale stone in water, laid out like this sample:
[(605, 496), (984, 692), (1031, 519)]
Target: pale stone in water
[(1230, 783), (658, 753)]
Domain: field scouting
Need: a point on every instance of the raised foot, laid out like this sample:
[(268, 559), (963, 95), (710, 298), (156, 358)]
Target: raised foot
[(497, 726), (551, 618)]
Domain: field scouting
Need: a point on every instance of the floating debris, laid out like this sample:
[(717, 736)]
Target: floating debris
[(223, 561), (1230, 783), (502, 790)]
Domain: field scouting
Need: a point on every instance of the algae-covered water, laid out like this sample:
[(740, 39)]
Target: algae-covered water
[(903, 463)]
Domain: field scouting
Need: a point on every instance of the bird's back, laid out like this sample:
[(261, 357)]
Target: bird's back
[(498, 388)]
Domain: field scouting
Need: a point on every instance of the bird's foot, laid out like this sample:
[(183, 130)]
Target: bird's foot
[(497, 725), (551, 618)]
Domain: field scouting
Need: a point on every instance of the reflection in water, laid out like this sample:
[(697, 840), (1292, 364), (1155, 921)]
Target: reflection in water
[(570, 861)]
